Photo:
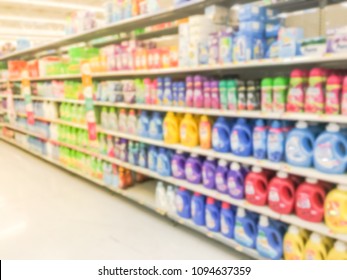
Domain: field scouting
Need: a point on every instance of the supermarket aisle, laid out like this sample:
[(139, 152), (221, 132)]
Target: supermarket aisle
[(46, 213)]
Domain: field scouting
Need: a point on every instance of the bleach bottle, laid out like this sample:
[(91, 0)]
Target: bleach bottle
[(193, 169), (221, 179), (245, 228), (227, 220), (260, 133), (143, 124), (275, 142), (156, 126), (330, 151), (164, 162), (178, 163), (256, 186), (183, 203), (236, 181), (152, 158), (212, 214), (269, 241), (299, 146), (317, 247), (221, 135), (209, 168), (294, 243), (338, 252), (336, 209), (198, 209), (241, 139)]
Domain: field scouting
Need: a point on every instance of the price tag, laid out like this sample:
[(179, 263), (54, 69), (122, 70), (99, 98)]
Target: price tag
[(26, 92)]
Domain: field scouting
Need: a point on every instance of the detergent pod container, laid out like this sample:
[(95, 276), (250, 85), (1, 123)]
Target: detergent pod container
[(256, 186), (281, 195), (330, 151), (335, 209), (269, 242), (260, 133), (178, 163), (161, 201), (183, 203), (198, 209), (209, 168), (143, 157), (236, 181), (193, 169), (221, 135), (241, 141), (309, 198), (317, 247), (171, 129), (245, 228), (338, 252), (294, 243), (189, 132), (212, 214), (299, 146), (221, 176), (152, 158), (164, 162), (156, 126), (227, 220), (276, 142), (143, 124)]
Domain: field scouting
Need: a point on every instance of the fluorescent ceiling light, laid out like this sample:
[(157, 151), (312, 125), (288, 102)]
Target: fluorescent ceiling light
[(54, 4), (33, 19)]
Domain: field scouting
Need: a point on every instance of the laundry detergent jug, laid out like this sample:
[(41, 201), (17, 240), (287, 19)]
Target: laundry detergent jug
[(241, 139), (245, 228), (143, 157), (212, 214), (221, 135), (256, 186), (193, 169), (209, 168), (276, 142), (294, 243), (164, 162), (317, 247), (198, 209), (171, 129), (221, 179), (236, 181), (183, 203), (227, 218), (338, 252), (205, 132), (189, 132), (178, 163), (143, 124), (156, 126), (152, 158), (335, 209), (260, 134)]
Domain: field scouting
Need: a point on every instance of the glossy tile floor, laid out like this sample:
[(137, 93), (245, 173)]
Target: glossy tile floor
[(47, 213)]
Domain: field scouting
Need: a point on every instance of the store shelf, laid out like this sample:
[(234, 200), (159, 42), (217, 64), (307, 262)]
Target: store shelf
[(25, 131)]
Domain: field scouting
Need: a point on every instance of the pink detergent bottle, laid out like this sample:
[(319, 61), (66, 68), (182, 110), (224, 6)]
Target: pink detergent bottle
[(189, 91), (198, 97), (333, 94), (344, 97), (296, 93), (314, 99)]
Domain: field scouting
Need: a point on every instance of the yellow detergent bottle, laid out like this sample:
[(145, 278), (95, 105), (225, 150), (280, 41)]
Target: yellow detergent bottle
[(189, 131), (294, 243), (335, 209), (205, 135), (317, 247), (338, 252), (171, 129)]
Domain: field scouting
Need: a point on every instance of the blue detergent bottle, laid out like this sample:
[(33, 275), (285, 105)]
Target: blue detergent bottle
[(269, 242), (142, 155), (198, 209), (152, 158), (330, 151), (221, 135), (227, 218), (241, 138), (245, 228), (276, 142), (156, 126), (143, 124), (260, 133), (107, 173), (160, 90), (183, 203), (299, 146), (164, 162), (212, 214)]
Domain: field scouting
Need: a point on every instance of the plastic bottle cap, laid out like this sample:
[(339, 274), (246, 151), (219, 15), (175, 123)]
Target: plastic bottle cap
[(210, 200), (226, 205), (194, 155), (333, 127), (263, 221), (241, 212), (282, 175), (179, 152), (267, 82), (293, 229), (222, 162), (235, 166), (301, 125), (340, 246), (257, 169), (315, 237), (197, 194), (311, 180), (160, 184), (182, 189), (210, 158), (342, 187)]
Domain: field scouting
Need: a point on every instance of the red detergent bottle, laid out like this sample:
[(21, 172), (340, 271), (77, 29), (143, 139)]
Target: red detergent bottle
[(256, 186), (315, 97), (281, 195), (296, 93), (309, 198)]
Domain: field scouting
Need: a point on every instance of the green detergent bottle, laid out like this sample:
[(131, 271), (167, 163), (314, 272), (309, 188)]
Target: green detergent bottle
[(232, 95), (280, 89)]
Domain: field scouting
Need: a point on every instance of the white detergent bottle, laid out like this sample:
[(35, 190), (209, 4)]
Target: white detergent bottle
[(171, 200), (160, 197)]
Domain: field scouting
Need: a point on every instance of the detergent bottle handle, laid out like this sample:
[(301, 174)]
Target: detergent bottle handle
[(264, 183), (316, 204), (291, 194), (306, 149), (250, 229), (278, 236), (344, 143)]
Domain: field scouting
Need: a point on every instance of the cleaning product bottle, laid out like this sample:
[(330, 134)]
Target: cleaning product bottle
[(232, 95), (142, 155), (212, 214), (299, 146), (241, 138), (198, 97), (171, 129), (269, 242), (205, 132), (198, 209), (147, 84), (245, 228), (193, 169), (133, 153), (143, 124), (181, 94), (253, 95), (164, 162), (294, 243), (189, 96), (122, 120), (183, 203), (227, 220), (260, 134), (209, 168), (160, 91), (207, 94), (317, 247), (276, 142), (280, 88), (156, 126), (314, 98), (309, 198), (104, 118), (189, 133), (160, 197), (236, 181), (175, 93), (132, 122), (112, 119), (242, 95), (171, 200), (330, 151), (296, 93), (338, 252), (221, 179), (178, 163), (335, 209), (215, 97), (152, 158), (344, 97), (333, 94), (223, 93), (221, 135), (168, 96), (256, 186), (266, 95), (281, 195)]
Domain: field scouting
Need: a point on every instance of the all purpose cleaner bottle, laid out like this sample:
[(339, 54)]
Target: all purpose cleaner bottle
[(266, 95), (171, 129), (294, 243), (333, 94), (221, 176), (296, 93), (338, 252), (209, 168), (276, 142), (212, 214), (330, 151), (227, 217), (314, 98), (245, 228), (205, 132), (256, 186), (193, 169), (260, 134), (280, 89), (178, 165), (236, 181), (221, 135), (183, 203), (241, 138), (317, 247), (198, 209), (335, 209), (189, 132)]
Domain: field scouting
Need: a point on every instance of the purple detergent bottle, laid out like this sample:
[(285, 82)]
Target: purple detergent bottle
[(189, 91), (209, 168), (198, 98), (178, 163), (236, 181), (193, 169), (222, 176), (207, 94), (215, 100)]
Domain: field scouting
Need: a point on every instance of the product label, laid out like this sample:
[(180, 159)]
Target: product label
[(241, 236), (274, 195), (259, 139), (190, 172), (266, 98), (176, 170), (332, 102), (303, 201), (324, 155), (235, 142), (224, 226), (220, 182), (295, 100), (183, 131), (279, 99), (142, 160), (250, 188), (294, 151), (215, 138), (210, 222), (314, 102), (232, 99), (132, 124), (263, 245), (179, 203)]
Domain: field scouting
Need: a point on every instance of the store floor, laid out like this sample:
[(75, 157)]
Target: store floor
[(47, 213)]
